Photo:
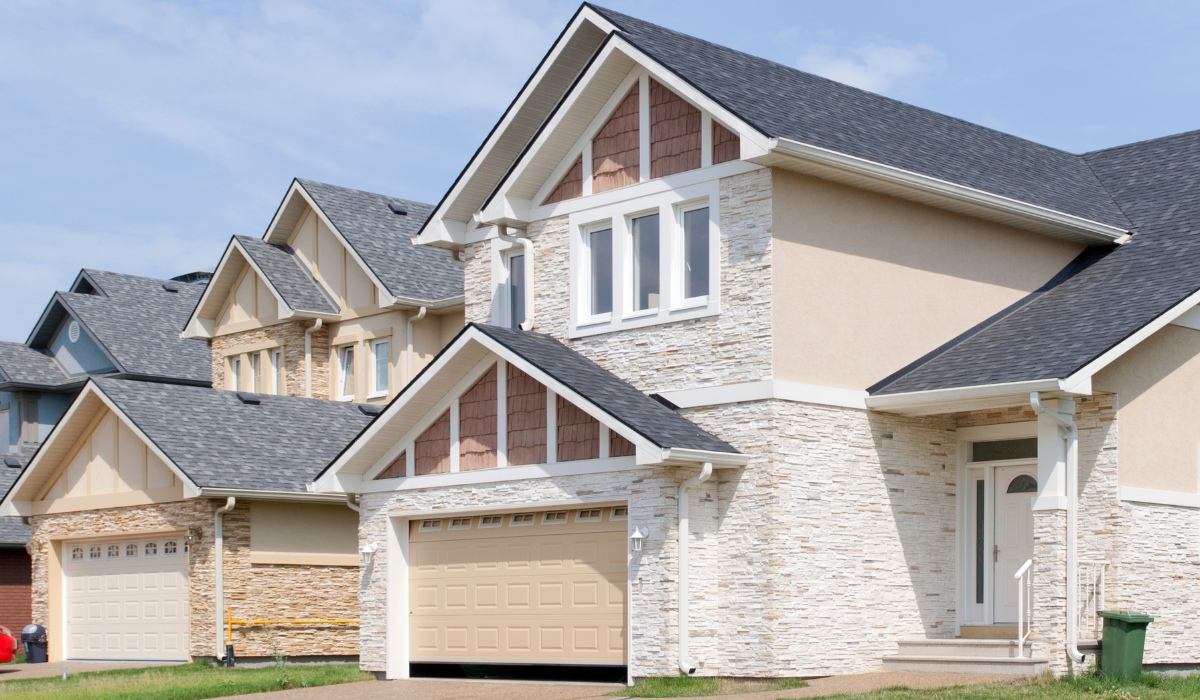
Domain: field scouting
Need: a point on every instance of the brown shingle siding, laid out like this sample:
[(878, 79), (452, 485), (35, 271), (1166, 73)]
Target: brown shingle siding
[(578, 433), (726, 145), (615, 152), (477, 424), (571, 185), (431, 450), (674, 133), (526, 419)]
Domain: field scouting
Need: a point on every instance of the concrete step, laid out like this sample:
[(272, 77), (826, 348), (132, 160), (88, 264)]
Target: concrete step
[(967, 664), (973, 648), (988, 632)]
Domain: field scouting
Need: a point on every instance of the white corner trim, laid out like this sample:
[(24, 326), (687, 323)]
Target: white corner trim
[(1156, 497), (1087, 228), (764, 390)]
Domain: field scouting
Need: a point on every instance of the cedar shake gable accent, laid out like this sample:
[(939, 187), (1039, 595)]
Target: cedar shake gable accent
[(571, 185), (477, 413), (726, 145), (674, 132), (431, 449), (615, 148), (526, 418)]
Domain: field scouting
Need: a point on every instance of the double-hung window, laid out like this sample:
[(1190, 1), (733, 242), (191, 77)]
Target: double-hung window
[(346, 376), (277, 382), (380, 366), (514, 306)]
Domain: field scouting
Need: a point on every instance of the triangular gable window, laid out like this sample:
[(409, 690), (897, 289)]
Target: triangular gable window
[(531, 430)]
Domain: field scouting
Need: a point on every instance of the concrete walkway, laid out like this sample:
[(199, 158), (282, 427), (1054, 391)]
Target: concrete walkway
[(9, 672), (505, 690)]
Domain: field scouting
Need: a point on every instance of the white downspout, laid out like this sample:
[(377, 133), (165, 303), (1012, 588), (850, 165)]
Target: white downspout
[(409, 335), (1071, 435), (502, 234), (308, 333), (219, 571), (682, 500), (353, 506)]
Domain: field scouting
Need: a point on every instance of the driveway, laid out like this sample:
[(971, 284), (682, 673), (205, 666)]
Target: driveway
[(514, 690), (9, 672)]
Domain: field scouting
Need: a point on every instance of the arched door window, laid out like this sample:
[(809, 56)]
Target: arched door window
[(1023, 484)]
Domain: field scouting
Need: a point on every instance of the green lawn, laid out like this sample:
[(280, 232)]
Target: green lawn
[(1150, 687), (184, 682), (682, 687)]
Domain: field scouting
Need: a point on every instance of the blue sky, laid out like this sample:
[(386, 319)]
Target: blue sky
[(139, 136)]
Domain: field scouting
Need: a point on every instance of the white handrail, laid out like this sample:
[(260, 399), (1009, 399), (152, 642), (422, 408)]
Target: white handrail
[(1090, 596), (1024, 605)]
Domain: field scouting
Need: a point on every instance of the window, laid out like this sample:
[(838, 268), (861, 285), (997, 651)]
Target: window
[(491, 521), (979, 539), (520, 519), (600, 271), (1023, 484), (151, 549), (997, 450), (515, 289), (346, 372), (170, 548), (94, 552), (554, 517), (430, 525), (255, 375), (460, 523), (5, 435), (76, 553), (235, 373), (277, 382), (619, 513), (131, 551), (379, 378), (694, 226), (114, 551), (644, 275), (590, 515)]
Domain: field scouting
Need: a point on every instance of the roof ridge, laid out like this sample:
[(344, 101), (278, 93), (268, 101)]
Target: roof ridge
[(303, 181), (1136, 144)]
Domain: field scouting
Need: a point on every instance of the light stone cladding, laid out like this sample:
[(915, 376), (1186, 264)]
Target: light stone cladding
[(288, 335), (251, 591)]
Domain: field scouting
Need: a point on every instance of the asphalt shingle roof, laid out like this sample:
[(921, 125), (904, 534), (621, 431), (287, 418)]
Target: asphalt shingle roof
[(138, 322), (12, 530), (643, 414), (288, 276), (280, 444), (383, 240), (20, 364), (1059, 331), (784, 102)]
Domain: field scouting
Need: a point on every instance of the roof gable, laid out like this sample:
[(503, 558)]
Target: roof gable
[(658, 434)]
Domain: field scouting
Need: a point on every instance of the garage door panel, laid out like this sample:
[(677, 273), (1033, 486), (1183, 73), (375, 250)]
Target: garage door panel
[(125, 601), (534, 593)]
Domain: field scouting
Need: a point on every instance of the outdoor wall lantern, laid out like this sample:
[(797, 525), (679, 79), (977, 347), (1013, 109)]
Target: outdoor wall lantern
[(367, 553), (636, 539)]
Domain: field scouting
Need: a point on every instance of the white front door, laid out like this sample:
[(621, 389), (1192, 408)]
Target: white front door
[(1015, 488)]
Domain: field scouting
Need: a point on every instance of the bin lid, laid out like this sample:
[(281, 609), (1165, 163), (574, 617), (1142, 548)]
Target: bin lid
[(1126, 616)]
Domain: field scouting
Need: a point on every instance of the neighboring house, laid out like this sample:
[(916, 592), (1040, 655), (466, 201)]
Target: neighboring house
[(334, 302), (106, 324), (894, 343), (162, 511)]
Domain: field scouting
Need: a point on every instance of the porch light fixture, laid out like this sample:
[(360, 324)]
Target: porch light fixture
[(636, 538), (367, 554)]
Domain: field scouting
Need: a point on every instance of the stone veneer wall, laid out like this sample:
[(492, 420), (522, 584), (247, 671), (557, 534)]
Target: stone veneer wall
[(732, 346), (290, 335), (251, 591)]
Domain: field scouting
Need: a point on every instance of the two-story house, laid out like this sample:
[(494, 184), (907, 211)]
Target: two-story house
[(765, 375), (195, 500)]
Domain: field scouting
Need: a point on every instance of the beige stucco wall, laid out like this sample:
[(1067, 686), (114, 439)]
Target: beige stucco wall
[(865, 284), (1157, 385), (303, 533), (253, 591)]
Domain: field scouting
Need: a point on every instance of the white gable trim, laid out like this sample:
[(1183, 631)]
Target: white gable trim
[(515, 211), (12, 506), (335, 478)]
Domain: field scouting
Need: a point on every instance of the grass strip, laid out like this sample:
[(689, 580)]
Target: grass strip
[(685, 687), (184, 682)]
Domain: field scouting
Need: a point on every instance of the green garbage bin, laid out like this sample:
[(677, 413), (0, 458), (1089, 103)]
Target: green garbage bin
[(1124, 643)]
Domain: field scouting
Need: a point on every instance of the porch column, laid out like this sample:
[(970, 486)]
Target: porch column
[(1050, 541)]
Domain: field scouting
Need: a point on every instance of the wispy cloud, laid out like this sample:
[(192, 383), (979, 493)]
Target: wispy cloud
[(882, 66)]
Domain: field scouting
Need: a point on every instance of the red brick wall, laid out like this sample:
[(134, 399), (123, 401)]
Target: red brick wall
[(15, 595)]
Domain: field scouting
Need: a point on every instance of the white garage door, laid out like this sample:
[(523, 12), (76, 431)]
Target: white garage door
[(534, 588), (127, 599)]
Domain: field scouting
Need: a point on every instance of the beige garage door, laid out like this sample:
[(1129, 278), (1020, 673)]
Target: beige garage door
[(127, 599), (545, 587)]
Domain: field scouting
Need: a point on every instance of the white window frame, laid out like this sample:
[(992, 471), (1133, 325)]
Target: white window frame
[(341, 352), (277, 371), (586, 289), (235, 371), (507, 292), (670, 206), (387, 380), (255, 372)]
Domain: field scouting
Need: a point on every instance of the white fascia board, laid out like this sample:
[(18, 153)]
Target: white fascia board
[(255, 495), (1080, 226), (439, 235), (915, 401), (1177, 311), (719, 459), (1156, 497)]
